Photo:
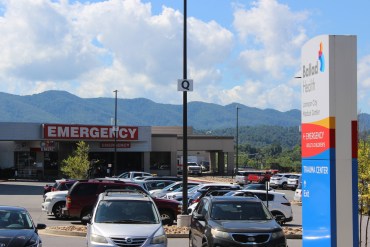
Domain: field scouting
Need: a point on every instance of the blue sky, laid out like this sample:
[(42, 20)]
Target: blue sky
[(238, 51)]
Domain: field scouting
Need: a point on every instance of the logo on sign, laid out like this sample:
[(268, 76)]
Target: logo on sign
[(321, 58)]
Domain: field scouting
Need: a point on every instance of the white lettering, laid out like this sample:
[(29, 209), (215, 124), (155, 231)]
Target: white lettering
[(104, 133), (94, 132), (84, 132), (122, 133), (74, 132), (63, 131), (51, 130), (132, 133)]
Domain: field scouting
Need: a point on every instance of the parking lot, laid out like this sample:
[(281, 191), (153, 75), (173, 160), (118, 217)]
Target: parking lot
[(29, 195)]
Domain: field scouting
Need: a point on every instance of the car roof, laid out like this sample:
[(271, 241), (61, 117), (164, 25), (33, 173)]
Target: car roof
[(13, 208), (232, 198), (262, 191), (118, 194)]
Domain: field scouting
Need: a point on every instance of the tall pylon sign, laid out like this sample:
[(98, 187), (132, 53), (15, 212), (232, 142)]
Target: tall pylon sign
[(329, 141)]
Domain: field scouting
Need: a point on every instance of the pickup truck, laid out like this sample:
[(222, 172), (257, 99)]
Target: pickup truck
[(261, 176)]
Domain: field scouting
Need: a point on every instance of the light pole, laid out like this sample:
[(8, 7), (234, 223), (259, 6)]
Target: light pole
[(237, 139), (185, 123), (115, 134)]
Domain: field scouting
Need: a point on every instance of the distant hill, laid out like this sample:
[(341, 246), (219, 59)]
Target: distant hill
[(64, 107)]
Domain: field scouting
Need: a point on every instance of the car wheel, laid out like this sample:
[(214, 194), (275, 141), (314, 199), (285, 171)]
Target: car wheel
[(205, 244), (58, 210), (279, 214), (167, 217), (86, 212), (284, 186)]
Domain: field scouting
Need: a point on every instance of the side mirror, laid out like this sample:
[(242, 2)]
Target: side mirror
[(40, 226), (86, 220)]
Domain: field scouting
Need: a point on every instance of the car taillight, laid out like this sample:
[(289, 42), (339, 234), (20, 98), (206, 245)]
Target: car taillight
[(195, 201), (68, 202), (286, 203)]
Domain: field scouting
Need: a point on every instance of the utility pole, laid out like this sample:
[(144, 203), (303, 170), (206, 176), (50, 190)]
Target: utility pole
[(237, 139), (185, 124), (115, 134)]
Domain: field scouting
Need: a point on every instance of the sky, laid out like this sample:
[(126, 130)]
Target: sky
[(242, 51)]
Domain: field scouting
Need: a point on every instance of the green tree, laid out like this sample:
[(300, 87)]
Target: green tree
[(363, 183), (78, 164)]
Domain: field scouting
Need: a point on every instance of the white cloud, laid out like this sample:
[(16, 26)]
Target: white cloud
[(363, 74), (273, 35)]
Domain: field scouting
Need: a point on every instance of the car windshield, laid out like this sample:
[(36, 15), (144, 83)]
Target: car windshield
[(10, 219), (126, 211), (255, 187), (240, 210), (124, 175)]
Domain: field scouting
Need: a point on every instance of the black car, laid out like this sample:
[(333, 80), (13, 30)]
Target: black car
[(229, 221), (17, 228)]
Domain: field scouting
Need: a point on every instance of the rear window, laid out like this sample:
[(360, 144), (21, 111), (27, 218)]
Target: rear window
[(83, 189)]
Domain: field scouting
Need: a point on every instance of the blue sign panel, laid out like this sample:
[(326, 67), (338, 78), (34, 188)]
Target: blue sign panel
[(318, 213)]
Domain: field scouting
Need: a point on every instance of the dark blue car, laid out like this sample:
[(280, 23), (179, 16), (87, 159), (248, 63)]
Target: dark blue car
[(17, 228)]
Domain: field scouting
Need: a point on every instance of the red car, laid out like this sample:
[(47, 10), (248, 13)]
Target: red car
[(83, 194), (60, 184)]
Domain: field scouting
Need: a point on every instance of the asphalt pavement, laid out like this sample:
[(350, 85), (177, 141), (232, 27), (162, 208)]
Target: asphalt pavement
[(29, 195)]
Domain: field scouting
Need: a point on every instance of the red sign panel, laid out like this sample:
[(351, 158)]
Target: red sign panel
[(316, 139), (111, 145), (89, 132)]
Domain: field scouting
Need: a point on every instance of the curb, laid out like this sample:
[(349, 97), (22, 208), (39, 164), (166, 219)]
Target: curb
[(180, 235)]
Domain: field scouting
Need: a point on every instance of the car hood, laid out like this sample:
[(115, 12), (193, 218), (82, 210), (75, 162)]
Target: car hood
[(119, 230), (245, 225), (57, 193), (15, 238)]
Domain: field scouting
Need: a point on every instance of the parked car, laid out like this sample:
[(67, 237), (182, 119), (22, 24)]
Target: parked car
[(54, 202), (170, 178), (298, 191), (280, 180), (17, 228), (277, 203), (234, 221), (241, 177), (133, 174), (205, 165), (170, 188), (178, 195), (82, 197), (259, 177), (293, 181), (256, 187), (194, 169), (196, 198), (125, 218), (153, 184), (60, 184)]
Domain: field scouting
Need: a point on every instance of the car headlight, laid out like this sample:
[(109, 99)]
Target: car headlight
[(48, 199), (219, 234), (278, 234), (161, 239), (34, 242), (98, 239)]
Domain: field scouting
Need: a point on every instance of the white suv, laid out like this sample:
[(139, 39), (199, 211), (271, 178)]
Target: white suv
[(277, 203), (54, 203), (125, 218), (280, 180)]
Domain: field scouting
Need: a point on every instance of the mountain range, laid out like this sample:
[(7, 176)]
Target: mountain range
[(63, 107)]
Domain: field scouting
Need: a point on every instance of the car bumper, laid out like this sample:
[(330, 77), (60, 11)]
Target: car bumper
[(219, 242), (45, 207)]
